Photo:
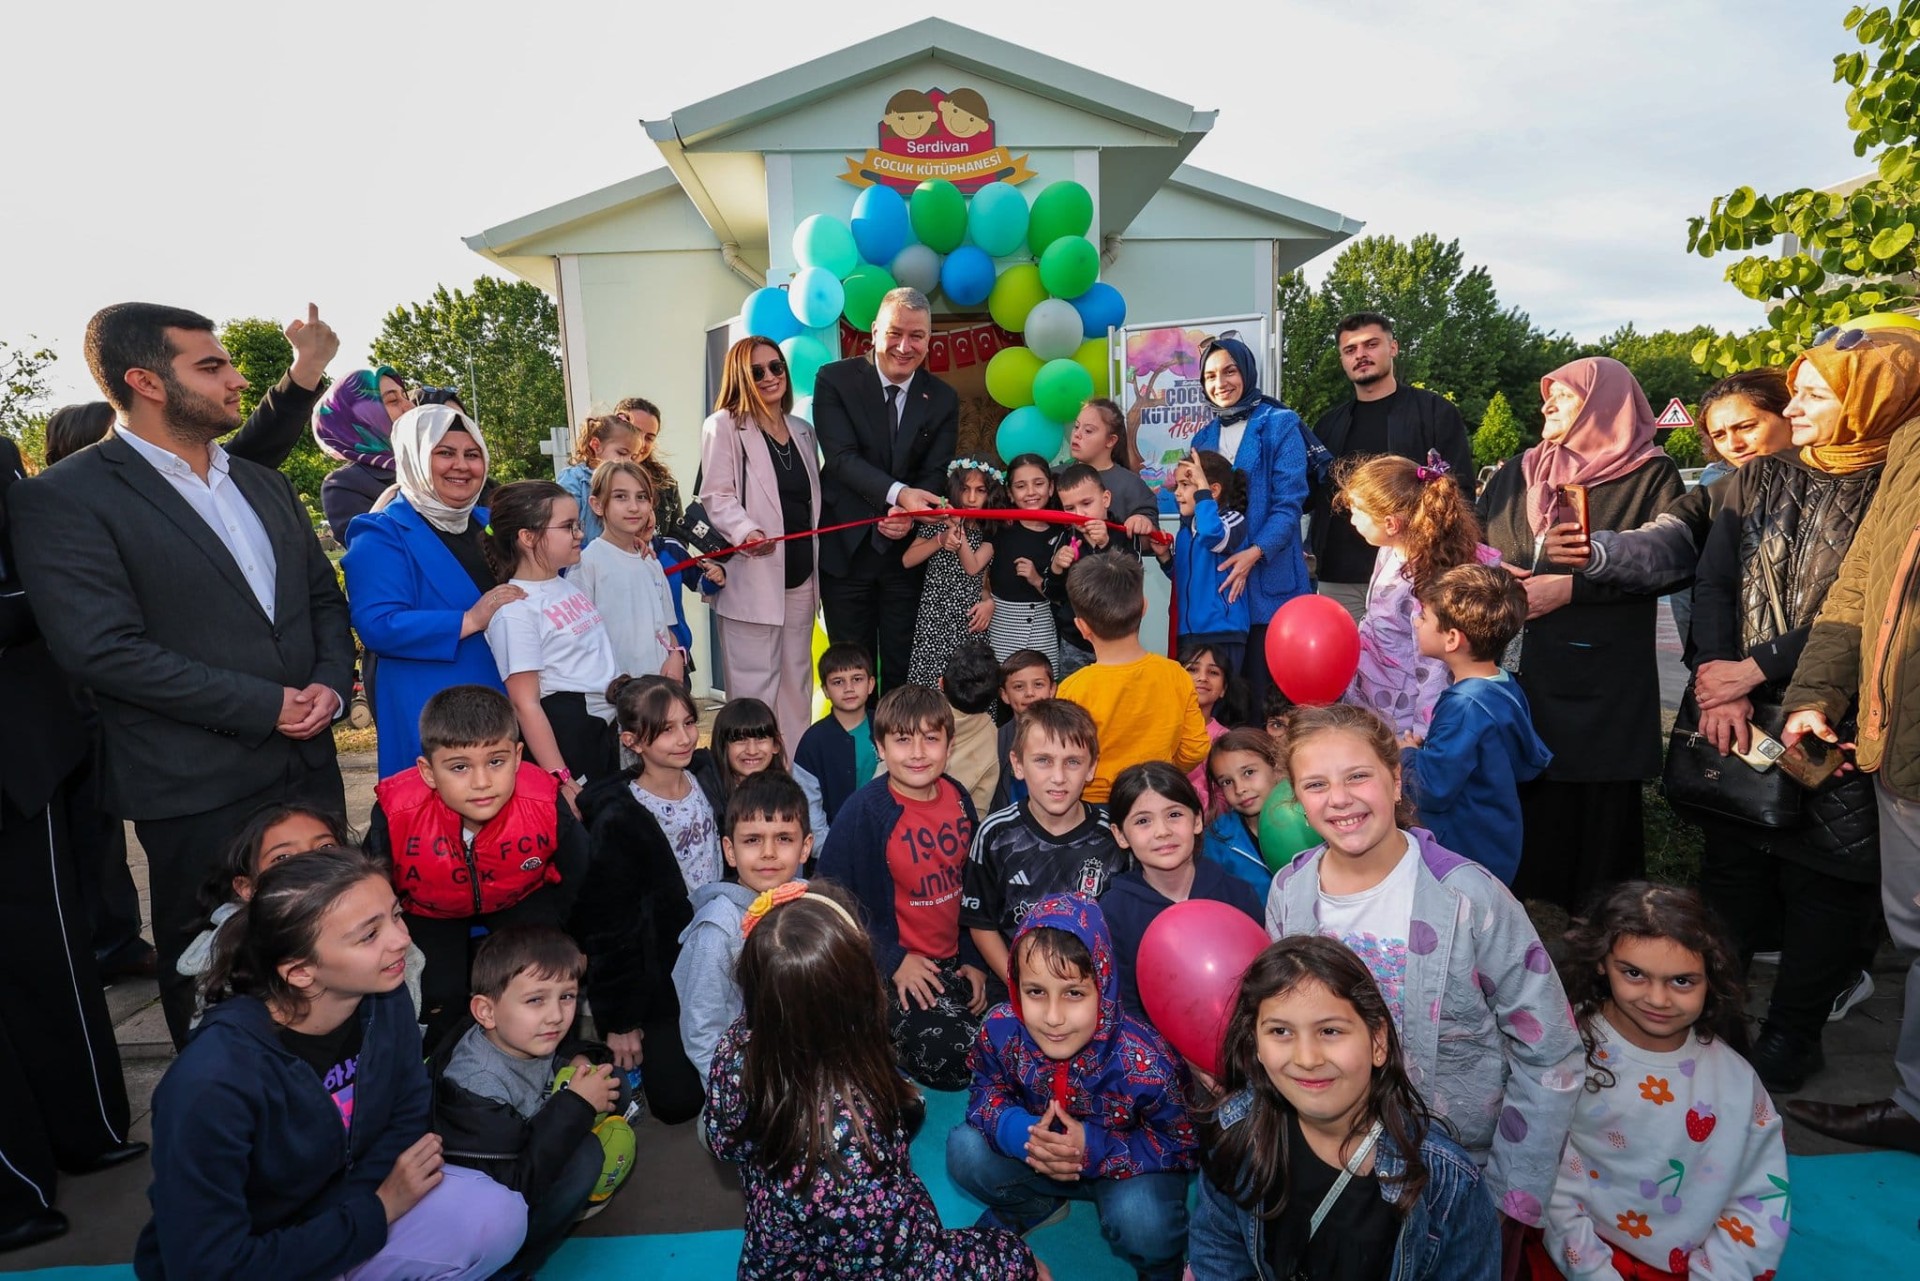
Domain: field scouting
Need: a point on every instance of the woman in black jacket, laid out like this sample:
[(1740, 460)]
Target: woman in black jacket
[(1770, 556), (1586, 657)]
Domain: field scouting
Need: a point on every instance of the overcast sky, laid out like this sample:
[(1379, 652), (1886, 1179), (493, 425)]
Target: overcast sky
[(242, 159)]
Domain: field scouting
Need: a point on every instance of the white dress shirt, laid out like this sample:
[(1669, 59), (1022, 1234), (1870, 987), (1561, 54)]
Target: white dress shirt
[(219, 502), (893, 490)]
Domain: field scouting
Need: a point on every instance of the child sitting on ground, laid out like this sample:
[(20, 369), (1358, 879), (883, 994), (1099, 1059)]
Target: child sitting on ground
[(1247, 765), (1465, 774), (495, 1104), (807, 1099), (1026, 677), (899, 847), (1157, 818), (1142, 704), (836, 756), (475, 836), (766, 844), (970, 682), (1049, 843), (1676, 1165), (1074, 1099)]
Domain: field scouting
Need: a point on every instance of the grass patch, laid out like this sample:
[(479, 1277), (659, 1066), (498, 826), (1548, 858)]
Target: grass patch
[(1673, 844), (348, 739)]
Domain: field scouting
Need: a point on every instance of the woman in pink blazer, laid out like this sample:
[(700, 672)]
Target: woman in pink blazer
[(760, 478)]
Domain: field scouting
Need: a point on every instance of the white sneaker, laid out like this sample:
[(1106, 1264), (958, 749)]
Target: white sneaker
[(1854, 993)]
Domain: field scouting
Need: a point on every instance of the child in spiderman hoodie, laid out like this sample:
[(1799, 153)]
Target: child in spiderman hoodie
[(475, 835), (1073, 1099)]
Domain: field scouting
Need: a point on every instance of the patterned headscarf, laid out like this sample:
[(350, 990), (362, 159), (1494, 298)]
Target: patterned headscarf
[(350, 422)]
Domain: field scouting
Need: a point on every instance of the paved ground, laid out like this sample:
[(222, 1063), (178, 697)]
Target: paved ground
[(681, 1189)]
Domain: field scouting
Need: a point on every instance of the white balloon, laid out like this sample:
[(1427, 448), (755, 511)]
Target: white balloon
[(1054, 330), (918, 266)]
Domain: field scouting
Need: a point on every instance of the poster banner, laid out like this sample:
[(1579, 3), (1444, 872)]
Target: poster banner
[(936, 133), (1161, 393)]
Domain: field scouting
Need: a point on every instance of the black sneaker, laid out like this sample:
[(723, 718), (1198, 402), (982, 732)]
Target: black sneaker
[(1783, 1063)]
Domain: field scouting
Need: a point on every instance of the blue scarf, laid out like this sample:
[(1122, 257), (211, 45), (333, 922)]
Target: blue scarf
[(1242, 357)]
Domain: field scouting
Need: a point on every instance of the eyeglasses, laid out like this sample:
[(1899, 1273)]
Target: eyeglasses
[(1842, 341), (773, 368), (572, 527)]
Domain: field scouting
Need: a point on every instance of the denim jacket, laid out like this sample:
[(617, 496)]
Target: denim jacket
[(1451, 1234)]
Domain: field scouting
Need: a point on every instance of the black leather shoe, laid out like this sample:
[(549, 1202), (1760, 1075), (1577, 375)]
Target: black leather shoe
[(107, 1160), (43, 1225), (1784, 1062), (1879, 1124), (134, 959)]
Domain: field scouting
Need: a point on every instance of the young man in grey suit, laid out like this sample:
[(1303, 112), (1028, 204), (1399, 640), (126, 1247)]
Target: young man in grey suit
[(187, 590), (887, 431)]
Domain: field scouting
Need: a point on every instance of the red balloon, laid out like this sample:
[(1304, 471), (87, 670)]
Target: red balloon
[(1189, 968), (1313, 649)]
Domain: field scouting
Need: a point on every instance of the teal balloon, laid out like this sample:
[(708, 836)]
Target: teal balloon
[(1069, 267), (1028, 431), (1053, 329), (1284, 830), (865, 286), (997, 219), (939, 215), (816, 297), (805, 354), (767, 314), (1063, 209), (1060, 388), (880, 226), (825, 242)]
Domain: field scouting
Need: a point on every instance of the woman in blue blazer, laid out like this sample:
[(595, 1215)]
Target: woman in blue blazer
[(1267, 441), (418, 584)]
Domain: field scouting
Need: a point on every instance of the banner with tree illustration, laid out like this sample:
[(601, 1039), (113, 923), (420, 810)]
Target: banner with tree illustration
[(1161, 393)]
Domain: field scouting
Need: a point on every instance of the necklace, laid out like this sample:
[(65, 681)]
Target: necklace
[(782, 454)]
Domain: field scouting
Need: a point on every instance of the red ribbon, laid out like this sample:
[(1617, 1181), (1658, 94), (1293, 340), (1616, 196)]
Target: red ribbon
[(1045, 515)]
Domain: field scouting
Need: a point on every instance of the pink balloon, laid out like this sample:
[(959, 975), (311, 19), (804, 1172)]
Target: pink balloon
[(1189, 968), (1313, 649)]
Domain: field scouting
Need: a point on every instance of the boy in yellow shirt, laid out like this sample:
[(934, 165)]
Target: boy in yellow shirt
[(1142, 703)]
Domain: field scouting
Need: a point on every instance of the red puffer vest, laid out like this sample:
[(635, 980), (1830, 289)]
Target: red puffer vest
[(436, 875)]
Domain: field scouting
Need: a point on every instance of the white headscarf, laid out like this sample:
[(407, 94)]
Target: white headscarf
[(414, 438)]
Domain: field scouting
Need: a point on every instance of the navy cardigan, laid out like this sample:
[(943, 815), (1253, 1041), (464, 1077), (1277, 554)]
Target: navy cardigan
[(856, 857)]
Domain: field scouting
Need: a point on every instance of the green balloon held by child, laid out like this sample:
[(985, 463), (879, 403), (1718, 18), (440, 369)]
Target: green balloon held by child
[(1284, 831)]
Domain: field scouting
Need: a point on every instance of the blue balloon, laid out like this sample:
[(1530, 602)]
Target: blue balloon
[(967, 276), (1101, 308), (880, 226), (816, 297), (767, 314)]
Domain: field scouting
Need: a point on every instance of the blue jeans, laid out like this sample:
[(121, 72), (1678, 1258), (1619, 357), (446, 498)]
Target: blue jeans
[(1143, 1218)]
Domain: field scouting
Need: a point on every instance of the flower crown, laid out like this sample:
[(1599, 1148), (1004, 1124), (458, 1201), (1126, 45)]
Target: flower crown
[(974, 464), (1434, 468), (767, 900)]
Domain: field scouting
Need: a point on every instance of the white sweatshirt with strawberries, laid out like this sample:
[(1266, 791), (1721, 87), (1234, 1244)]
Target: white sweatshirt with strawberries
[(1680, 1163)]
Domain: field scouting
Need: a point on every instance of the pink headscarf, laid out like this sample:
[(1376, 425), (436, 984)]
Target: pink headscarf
[(1611, 435)]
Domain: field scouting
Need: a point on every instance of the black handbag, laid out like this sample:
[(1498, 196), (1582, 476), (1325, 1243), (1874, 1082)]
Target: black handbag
[(695, 530), (1698, 777)]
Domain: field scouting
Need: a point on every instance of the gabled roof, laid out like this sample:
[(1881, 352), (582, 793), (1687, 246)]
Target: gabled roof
[(1258, 200), (508, 234), (1063, 82)]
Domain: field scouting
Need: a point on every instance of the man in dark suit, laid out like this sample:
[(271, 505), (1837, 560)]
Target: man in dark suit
[(887, 431), (186, 589)]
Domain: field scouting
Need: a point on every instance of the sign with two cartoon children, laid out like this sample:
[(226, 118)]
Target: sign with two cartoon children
[(936, 133)]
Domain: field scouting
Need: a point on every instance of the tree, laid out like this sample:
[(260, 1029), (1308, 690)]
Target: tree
[(23, 396), (1662, 362), (263, 355), (1683, 446), (1855, 250), (500, 346), (1500, 436)]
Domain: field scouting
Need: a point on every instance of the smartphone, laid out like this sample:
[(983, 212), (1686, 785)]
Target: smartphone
[(1574, 499), (1763, 749), (1811, 761)]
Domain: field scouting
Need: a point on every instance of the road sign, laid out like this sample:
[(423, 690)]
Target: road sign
[(1674, 415)]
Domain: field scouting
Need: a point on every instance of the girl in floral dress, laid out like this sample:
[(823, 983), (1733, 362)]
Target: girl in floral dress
[(815, 1112), (953, 596)]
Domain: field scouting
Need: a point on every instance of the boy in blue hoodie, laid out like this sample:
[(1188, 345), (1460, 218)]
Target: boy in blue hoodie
[(1464, 777), (1073, 1099)]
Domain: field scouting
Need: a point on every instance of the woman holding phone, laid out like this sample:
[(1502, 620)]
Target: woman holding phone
[(1586, 658), (1772, 552)]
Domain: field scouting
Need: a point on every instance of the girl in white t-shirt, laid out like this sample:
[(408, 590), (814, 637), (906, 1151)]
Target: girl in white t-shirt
[(1490, 1042), (551, 647), (623, 576)]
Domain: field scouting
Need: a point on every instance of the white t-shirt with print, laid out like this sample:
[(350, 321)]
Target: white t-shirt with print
[(1375, 923), (690, 828), (632, 595), (556, 631)]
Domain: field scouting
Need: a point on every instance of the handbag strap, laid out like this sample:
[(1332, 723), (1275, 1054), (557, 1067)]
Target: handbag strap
[(1346, 1176)]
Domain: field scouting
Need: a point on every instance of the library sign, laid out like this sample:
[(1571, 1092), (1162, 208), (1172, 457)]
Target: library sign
[(936, 134)]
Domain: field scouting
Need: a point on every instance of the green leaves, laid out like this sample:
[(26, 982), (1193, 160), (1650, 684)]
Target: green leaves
[(1891, 242)]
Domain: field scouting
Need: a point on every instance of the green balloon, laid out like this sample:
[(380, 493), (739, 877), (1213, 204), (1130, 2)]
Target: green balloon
[(1069, 266), (1060, 388), (1092, 357), (1063, 209), (939, 215), (866, 285), (1018, 291), (1010, 376), (1284, 831)]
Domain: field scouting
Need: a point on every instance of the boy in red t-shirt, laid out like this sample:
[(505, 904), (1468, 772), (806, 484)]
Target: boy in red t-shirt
[(900, 844)]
